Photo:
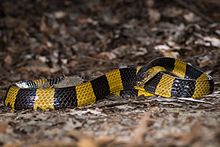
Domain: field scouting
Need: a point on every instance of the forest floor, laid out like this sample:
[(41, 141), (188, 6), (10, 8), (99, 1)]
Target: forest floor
[(43, 38)]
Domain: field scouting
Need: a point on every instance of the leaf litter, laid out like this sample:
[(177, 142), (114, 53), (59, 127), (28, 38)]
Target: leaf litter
[(43, 39)]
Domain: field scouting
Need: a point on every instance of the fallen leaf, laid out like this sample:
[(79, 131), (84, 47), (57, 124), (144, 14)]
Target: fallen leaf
[(154, 15), (60, 14), (137, 138), (3, 127), (43, 25), (167, 51), (106, 55), (204, 61), (162, 47), (8, 59), (172, 12), (213, 41), (191, 17), (87, 142), (195, 132)]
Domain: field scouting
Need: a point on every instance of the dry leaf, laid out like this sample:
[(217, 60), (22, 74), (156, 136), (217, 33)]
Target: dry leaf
[(8, 60), (172, 12), (137, 138), (214, 41), (3, 127), (105, 140), (59, 14), (195, 132), (43, 25), (87, 142), (204, 61), (154, 15), (166, 51), (191, 17), (106, 55)]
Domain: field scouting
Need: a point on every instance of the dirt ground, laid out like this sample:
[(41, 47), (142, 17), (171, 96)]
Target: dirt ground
[(42, 39)]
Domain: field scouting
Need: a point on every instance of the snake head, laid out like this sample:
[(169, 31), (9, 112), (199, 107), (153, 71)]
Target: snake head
[(146, 73), (142, 76)]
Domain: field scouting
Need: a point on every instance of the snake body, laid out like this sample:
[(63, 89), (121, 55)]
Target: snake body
[(166, 77)]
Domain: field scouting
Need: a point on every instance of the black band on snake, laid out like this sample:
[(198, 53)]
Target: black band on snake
[(166, 77)]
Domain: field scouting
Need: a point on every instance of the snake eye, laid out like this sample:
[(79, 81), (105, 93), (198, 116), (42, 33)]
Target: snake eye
[(141, 76), (142, 72)]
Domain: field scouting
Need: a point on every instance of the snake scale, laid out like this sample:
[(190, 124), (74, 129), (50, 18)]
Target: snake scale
[(165, 77)]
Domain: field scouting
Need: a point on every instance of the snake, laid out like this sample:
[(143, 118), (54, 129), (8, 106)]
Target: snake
[(165, 77)]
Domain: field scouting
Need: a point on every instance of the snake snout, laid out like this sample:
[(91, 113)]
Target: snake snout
[(140, 80)]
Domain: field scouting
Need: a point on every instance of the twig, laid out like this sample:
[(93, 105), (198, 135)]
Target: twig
[(194, 100)]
